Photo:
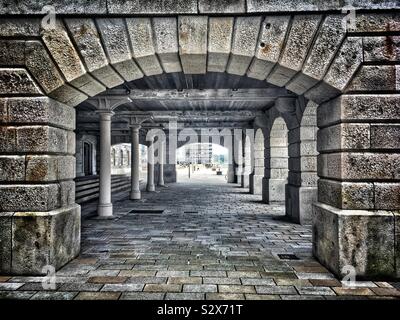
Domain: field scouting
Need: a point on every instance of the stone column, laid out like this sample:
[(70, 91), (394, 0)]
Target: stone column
[(238, 155), (135, 162), (105, 208), (161, 155), (356, 221), (150, 167)]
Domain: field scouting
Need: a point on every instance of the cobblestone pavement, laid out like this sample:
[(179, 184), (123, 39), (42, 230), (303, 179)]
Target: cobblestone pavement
[(211, 242)]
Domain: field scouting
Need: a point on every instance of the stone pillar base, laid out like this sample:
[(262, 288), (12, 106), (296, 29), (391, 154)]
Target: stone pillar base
[(255, 184), (150, 188), (245, 181), (265, 190), (105, 210), (32, 240), (135, 195), (231, 174), (299, 203), (365, 240), (277, 190), (169, 173)]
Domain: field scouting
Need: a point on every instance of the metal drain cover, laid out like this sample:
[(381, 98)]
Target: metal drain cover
[(288, 256), (147, 211)]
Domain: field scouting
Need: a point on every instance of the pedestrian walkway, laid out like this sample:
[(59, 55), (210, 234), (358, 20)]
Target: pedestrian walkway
[(195, 241)]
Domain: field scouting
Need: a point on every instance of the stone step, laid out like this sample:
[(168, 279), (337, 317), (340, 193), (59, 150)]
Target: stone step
[(88, 189)]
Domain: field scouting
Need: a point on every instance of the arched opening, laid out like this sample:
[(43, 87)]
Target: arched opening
[(205, 163), (257, 176), (309, 55), (278, 161)]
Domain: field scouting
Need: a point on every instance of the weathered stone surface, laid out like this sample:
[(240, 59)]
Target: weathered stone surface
[(12, 52), (42, 67), (385, 136), (152, 7), (87, 40), (16, 27), (141, 36), (299, 203), (356, 238), (17, 81), (193, 43), (63, 52), (376, 78), (377, 22), (381, 48), (353, 108), (38, 110), (269, 47), (344, 136), (245, 36), (40, 239), (219, 43), (49, 168), (387, 196), (300, 37), (312, 5), (116, 44), (12, 168), (68, 95), (7, 138), (321, 54), (345, 64), (29, 197), (222, 6), (166, 43), (61, 6), (346, 195), (359, 166), (41, 139), (6, 242)]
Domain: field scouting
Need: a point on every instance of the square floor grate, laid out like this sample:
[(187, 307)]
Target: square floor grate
[(147, 211), (288, 256)]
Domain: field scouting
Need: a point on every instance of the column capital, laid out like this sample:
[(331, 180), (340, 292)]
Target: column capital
[(105, 115)]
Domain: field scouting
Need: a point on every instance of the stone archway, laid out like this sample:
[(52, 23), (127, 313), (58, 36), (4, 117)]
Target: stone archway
[(352, 76)]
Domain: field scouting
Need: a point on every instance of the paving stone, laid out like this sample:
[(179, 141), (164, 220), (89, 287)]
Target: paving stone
[(276, 290), (199, 288), (16, 295), (10, 286), (163, 288), (80, 287), (51, 295), (262, 297), (224, 296), (98, 296), (142, 296), (321, 291), (386, 292), (236, 289), (217, 280), (257, 281), (121, 287), (185, 296), (353, 292), (107, 279), (184, 280)]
